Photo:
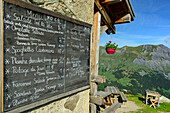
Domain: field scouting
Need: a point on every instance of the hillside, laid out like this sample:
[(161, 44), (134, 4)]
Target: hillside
[(135, 69)]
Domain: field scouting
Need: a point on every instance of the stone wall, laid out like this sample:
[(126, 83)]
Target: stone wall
[(78, 9), (77, 103), (81, 10)]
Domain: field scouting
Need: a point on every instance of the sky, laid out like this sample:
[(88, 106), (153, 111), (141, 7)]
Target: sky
[(151, 25)]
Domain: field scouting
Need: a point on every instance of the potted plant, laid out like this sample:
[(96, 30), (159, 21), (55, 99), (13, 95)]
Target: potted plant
[(111, 48)]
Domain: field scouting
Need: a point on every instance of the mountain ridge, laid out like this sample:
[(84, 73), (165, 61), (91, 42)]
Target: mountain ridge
[(136, 67)]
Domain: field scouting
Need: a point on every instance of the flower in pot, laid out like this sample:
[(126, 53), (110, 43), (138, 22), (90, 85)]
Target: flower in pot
[(111, 48)]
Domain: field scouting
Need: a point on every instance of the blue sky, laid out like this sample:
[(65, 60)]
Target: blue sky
[(150, 26)]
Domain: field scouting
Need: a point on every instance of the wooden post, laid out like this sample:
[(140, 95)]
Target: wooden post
[(95, 44), (1, 56), (158, 101), (94, 56), (146, 100), (103, 29), (95, 49)]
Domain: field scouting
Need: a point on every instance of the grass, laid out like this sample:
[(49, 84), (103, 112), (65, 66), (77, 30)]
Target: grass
[(164, 107), (125, 81)]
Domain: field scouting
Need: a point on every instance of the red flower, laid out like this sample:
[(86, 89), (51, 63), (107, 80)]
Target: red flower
[(110, 41), (117, 45), (114, 43)]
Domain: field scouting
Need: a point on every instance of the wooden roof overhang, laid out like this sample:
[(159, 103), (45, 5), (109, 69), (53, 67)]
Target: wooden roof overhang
[(114, 12)]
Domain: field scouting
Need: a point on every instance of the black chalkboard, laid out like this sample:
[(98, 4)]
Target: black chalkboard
[(45, 54)]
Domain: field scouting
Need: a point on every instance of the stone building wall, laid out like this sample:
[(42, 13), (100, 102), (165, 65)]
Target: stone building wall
[(77, 103), (78, 9), (82, 10)]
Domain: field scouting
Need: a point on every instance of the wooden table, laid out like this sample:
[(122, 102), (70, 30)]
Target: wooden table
[(153, 97), (115, 92)]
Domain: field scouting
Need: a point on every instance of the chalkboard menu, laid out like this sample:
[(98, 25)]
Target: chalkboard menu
[(44, 55)]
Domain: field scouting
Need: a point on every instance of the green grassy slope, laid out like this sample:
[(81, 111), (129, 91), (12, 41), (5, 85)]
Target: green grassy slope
[(164, 107), (121, 72)]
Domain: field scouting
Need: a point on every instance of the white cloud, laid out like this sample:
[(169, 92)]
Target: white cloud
[(166, 40)]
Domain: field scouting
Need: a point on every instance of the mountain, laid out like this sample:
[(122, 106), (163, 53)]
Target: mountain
[(136, 69)]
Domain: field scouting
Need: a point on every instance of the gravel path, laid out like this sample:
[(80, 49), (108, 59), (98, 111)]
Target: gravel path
[(128, 106)]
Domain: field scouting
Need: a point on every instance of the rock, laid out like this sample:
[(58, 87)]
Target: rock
[(125, 90), (142, 73), (124, 49), (71, 102), (160, 57), (108, 67), (103, 51), (169, 76), (164, 99), (147, 47), (139, 60)]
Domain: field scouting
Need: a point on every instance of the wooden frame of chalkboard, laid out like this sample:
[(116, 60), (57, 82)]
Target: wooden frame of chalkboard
[(44, 56)]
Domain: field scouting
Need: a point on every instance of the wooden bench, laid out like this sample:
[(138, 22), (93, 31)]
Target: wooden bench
[(115, 91), (112, 108), (153, 97), (123, 97), (101, 98), (112, 89), (105, 99)]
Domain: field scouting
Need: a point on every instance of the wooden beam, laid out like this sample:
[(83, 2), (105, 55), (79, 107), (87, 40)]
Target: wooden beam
[(112, 108), (111, 1), (1, 56), (106, 17), (95, 44), (93, 88), (97, 100), (103, 29), (99, 79), (93, 108), (94, 55), (130, 9), (103, 94), (124, 19)]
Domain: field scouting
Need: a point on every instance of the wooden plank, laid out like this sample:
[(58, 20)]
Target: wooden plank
[(111, 1), (105, 15), (97, 43), (124, 19), (92, 108), (146, 99), (94, 54), (112, 108), (158, 101), (99, 79), (103, 94), (130, 8), (1, 56), (153, 93), (103, 29), (112, 89), (124, 98), (93, 47), (93, 88), (97, 100)]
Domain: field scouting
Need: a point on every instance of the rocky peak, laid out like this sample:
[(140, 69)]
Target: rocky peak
[(159, 57)]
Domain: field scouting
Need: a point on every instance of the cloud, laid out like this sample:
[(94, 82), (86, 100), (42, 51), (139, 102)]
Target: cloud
[(166, 40)]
